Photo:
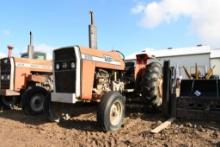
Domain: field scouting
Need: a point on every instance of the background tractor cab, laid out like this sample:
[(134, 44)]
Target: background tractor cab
[(36, 55), (31, 54)]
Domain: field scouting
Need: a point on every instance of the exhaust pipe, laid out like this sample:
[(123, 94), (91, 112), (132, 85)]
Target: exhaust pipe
[(30, 48), (92, 32), (10, 51)]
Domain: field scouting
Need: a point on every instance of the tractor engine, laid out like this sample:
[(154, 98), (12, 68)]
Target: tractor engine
[(106, 81), (102, 82)]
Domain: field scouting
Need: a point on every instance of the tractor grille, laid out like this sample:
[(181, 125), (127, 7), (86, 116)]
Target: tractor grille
[(65, 70), (5, 73)]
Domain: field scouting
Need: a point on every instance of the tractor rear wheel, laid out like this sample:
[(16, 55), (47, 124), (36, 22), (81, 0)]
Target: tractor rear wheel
[(35, 100), (151, 85), (111, 111), (8, 102)]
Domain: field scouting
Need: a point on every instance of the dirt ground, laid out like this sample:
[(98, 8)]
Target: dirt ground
[(18, 129)]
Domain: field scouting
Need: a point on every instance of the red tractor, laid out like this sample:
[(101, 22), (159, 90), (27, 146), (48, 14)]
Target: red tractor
[(88, 75), (26, 81)]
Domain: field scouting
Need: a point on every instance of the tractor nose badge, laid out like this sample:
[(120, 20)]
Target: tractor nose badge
[(64, 65)]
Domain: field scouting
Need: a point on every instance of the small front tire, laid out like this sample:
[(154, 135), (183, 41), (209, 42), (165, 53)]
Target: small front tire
[(111, 111), (35, 100)]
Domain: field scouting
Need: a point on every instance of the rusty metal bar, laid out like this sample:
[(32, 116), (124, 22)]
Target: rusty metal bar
[(187, 73), (209, 73)]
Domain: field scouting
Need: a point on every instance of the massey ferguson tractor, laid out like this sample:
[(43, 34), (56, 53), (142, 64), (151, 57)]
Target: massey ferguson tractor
[(91, 75), (26, 81)]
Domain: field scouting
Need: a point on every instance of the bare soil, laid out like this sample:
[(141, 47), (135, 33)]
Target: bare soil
[(18, 129)]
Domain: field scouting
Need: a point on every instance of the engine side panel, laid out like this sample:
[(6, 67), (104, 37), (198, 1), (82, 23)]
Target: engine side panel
[(18, 71), (24, 68), (93, 59), (34, 65), (88, 72), (21, 78)]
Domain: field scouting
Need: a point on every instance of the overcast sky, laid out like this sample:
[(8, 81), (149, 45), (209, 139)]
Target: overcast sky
[(125, 25)]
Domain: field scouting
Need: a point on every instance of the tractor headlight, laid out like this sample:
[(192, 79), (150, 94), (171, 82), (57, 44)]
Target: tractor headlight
[(73, 65), (2, 77), (6, 61), (64, 65), (8, 77), (57, 66)]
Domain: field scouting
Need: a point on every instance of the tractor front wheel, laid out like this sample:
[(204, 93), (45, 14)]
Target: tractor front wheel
[(111, 111), (35, 100)]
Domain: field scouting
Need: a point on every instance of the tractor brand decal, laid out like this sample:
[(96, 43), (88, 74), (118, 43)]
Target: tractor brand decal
[(87, 57), (108, 59), (27, 65), (105, 59)]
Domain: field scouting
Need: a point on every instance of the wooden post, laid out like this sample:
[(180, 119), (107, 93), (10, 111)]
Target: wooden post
[(162, 126)]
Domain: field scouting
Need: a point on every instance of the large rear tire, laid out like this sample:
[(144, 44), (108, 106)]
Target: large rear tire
[(151, 85), (35, 100), (111, 111)]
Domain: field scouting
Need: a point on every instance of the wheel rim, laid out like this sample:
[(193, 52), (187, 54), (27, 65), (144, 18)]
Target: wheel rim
[(116, 113), (37, 102)]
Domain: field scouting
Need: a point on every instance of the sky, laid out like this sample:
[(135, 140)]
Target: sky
[(125, 25)]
